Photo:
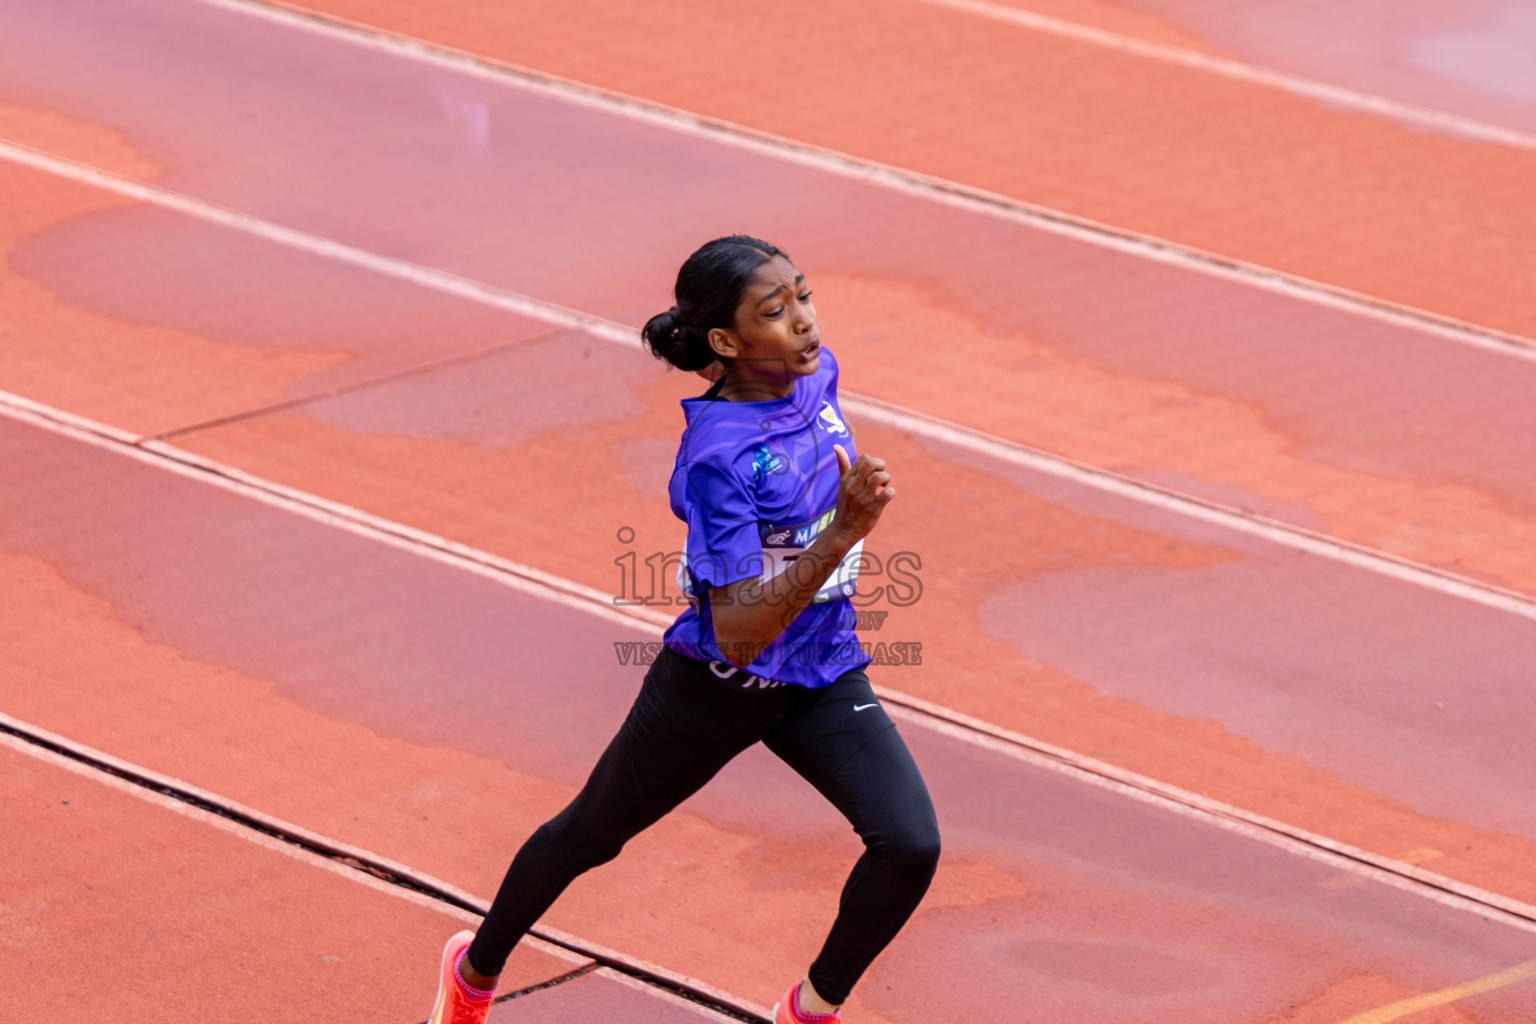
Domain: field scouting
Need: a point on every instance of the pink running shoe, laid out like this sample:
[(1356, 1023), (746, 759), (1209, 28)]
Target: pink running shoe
[(457, 1003), (787, 1010)]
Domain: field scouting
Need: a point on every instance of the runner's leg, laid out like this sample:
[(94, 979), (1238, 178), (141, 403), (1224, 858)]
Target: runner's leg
[(845, 745), (683, 728)]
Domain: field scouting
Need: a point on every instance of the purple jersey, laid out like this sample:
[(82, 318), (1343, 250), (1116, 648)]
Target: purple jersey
[(756, 482)]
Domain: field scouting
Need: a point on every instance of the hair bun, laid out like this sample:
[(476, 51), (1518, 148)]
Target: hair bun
[(710, 285), (672, 338)]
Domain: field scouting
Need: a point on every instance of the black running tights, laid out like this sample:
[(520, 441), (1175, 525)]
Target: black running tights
[(683, 728)]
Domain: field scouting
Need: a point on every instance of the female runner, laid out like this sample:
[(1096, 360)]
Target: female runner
[(776, 511)]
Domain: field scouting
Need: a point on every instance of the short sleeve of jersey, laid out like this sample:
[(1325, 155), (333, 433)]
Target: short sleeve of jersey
[(723, 541)]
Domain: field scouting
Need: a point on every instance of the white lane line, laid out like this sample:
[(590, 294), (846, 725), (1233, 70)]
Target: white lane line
[(212, 213), (1314, 846), (1276, 532), (192, 466), (234, 828), (559, 944), (1350, 99), (932, 428), (915, 710), (908, 182), (277, 825)]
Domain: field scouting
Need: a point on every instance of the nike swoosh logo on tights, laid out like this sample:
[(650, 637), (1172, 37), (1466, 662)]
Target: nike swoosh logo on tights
[(861, 707)]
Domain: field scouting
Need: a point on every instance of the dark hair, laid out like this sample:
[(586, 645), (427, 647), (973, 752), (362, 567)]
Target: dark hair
[(708, 290)]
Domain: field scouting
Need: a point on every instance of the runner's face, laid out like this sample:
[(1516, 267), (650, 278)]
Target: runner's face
[(774, 338)]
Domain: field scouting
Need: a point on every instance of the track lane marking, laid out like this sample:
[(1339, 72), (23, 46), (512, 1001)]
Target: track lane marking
[(915, 710), (303, 241), (1241, 71), (887, 414), (1283, 534), (1394, 1011), (157, 789), (1298, 841), (180, 462), (250, 835), (893, 178), (154, 787), (1510, 976), (339, 858)]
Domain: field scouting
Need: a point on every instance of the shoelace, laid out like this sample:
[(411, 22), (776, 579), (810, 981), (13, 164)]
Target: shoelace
[(466, 1012)]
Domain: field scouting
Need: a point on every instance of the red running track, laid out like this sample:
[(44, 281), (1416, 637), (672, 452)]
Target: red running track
[(1396, 208), (1466, 58), (435, 715), (1381, 433), (105, 287), (123, 905), (1316, 698), (1088, 620), (209, 295)]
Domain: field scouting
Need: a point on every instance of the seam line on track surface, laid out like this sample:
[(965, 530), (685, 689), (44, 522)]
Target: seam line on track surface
[(1016, 453), (375, 866), (579, 972), (957, 725), (905, 180), (347, 389)]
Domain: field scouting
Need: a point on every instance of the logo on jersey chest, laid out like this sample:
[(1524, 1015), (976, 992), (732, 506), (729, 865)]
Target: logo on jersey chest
[(830, 421)]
